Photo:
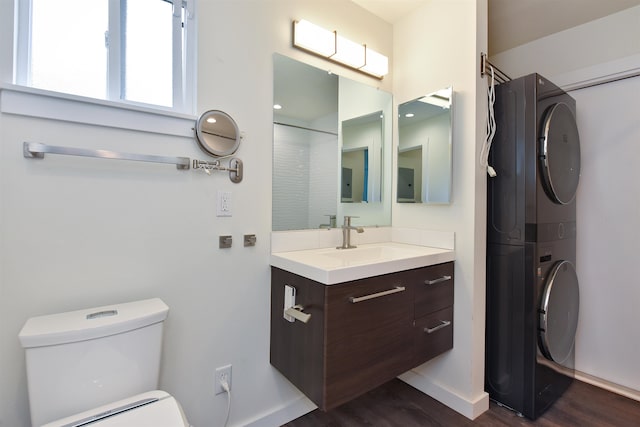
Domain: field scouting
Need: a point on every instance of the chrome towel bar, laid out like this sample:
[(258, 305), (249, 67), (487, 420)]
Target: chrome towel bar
[(485, 66), (36, 150)]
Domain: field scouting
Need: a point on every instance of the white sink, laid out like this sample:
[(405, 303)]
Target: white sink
[(331, 266), (369, 254)]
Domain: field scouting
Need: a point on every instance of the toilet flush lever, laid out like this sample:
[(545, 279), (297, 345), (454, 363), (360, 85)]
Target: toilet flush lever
[(104, 313)]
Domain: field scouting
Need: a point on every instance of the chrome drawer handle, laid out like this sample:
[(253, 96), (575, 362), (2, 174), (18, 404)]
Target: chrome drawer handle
[(443, 324), (377, 294), (438, 280)]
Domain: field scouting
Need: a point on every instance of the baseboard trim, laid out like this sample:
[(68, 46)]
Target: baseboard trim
[(282, 415), (469, 408), (608, 385)]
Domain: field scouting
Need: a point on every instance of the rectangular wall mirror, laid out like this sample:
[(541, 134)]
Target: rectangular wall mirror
[(332, 150), (424, 149)]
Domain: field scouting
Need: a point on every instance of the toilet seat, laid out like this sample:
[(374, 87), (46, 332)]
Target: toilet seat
[(151, 409)]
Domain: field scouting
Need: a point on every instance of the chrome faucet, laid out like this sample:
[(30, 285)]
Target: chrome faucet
[(332, 223), (346, 233)]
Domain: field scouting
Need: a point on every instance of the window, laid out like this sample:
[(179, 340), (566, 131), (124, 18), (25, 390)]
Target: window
[(133, 51)]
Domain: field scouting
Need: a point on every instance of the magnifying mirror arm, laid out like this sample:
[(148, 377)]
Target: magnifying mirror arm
[(235, 167)]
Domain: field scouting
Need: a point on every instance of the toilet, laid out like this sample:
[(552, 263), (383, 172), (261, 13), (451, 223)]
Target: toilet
[(99, 367)]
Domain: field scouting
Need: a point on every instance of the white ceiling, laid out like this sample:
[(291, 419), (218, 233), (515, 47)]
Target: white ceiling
[(515, 22)]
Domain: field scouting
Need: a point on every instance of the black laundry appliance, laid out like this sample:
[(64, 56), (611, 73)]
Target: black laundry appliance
[(532, 286)]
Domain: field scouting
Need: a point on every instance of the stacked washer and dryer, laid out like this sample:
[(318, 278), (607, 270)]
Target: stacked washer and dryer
[(532, 286)]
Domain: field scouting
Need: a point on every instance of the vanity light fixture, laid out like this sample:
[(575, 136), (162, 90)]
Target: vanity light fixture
[(308, 36), (329, 45), (349, 53), (277, 107)]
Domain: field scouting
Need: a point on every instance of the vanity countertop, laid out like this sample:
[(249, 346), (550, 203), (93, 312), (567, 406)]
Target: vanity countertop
[(331, 266)]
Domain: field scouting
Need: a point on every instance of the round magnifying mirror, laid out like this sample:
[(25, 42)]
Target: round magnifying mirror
[(217, 133)]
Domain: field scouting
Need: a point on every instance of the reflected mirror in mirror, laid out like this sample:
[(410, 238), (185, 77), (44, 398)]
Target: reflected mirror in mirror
[(424, 149), (318, 121), (217, 133), (361, 162)]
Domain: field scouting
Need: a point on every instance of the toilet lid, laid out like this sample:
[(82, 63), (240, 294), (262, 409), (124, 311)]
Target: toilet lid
[(151, 409)]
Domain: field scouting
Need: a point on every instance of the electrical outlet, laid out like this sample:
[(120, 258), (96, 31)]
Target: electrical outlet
[(223, 207), (222, 374)]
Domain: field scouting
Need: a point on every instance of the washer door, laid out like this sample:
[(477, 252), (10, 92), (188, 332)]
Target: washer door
[(560, 154), (559, 312)]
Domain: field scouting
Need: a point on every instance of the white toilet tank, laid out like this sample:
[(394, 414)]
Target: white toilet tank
[(86, 358)]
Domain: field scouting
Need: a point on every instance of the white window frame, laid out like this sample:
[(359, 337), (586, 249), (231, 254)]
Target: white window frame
[(184, 54)]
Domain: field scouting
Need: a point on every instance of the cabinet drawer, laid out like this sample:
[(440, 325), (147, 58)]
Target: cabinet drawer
[(433, 335), (433, 288), (360, 306)]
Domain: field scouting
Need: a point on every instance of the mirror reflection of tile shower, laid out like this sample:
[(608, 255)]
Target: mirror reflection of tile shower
[(303, 189)]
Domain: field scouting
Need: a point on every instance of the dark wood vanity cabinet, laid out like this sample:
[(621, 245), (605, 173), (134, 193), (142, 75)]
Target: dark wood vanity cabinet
[(433, 311), (361, 334)]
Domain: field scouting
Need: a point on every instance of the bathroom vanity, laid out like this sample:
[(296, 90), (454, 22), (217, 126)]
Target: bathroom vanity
[(393, 313)]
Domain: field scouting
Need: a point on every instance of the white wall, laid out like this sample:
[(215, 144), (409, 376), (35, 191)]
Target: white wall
[(435, 47), (608, 203), (81, 232), (607, 344)]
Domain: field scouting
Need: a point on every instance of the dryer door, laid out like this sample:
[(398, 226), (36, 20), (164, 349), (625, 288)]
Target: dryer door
[(560, 154), (559, 312)]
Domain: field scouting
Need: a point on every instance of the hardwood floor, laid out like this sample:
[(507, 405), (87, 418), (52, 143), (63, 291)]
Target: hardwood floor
[(396, 404)]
